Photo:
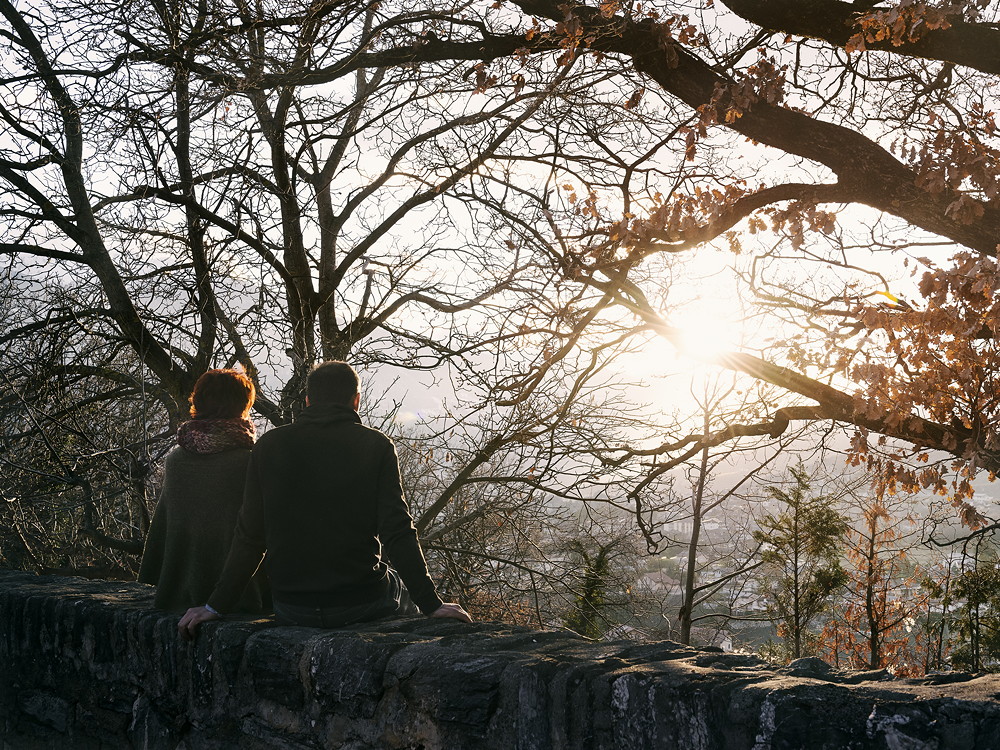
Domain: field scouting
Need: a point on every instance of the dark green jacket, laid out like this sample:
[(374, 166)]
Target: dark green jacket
[(192, 529), (323, 499)]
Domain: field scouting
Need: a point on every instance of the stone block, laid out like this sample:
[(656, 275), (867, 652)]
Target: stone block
[(45, 708)]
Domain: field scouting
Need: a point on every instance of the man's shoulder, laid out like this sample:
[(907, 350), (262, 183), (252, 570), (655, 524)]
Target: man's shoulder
[(301, 431), (272, 433), (275, 436), (372, 433)]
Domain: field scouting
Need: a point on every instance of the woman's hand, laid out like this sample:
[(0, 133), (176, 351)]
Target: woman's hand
[(187, 628)]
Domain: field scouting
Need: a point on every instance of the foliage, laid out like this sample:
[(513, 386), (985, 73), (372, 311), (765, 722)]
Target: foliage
[(498, 196), (874, 624), (801, 556)]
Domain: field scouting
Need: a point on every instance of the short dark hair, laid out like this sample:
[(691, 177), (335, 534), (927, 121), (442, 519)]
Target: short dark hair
[(222, 394), (332, 382)]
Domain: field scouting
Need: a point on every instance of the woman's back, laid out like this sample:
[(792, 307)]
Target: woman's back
[(203, 480), (193, 526)]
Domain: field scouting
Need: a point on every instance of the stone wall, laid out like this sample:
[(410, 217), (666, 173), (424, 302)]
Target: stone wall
[(88, 664)]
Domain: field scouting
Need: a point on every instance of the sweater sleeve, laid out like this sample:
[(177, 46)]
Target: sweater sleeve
[(399, 537), (247, 549)]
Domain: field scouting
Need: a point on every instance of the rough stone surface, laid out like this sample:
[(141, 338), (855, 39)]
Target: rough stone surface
[(87, 664)]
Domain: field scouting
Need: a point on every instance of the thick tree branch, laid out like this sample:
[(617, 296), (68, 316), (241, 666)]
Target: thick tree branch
[(866, 172), (16, 248), (677, 240), (972, 44), (833, 404), (490, 47)]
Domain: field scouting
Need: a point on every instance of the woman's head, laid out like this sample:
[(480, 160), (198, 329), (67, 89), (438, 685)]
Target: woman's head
[(222, 394)]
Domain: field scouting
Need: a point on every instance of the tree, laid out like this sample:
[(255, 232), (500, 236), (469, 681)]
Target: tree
[(592, 562), (824, 88), (936, 588), (747, 98), (507, 183), (801, 550), (78, 453), (975, 621), (181, 192), (753, 457), (874, 623)]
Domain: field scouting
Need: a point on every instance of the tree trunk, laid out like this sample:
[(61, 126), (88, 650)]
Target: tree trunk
[(687, 606)]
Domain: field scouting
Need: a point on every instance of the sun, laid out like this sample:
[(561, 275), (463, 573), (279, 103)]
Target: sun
[(691, 348), (704, 317), (708, 327)]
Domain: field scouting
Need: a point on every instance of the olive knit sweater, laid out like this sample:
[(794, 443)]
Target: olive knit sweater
[(192, 529), (323, 498)]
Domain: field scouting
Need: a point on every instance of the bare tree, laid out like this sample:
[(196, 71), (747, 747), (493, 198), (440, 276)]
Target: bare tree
[(217, 186), (498, 195), (826, 100)]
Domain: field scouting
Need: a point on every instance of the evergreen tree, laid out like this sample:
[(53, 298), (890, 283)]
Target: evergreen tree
[(601, 569), (975, 624), (801, 549), (591, 595)]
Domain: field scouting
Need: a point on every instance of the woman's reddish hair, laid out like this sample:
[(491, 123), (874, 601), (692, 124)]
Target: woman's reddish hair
[(222, 394)]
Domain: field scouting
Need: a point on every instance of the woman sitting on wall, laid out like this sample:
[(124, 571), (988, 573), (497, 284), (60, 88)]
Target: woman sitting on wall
[(202, 492)]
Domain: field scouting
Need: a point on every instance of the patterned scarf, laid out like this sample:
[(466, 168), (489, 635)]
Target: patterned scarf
[(215, 435)]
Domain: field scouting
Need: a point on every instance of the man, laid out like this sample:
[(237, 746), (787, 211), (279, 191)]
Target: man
[(323, 499)]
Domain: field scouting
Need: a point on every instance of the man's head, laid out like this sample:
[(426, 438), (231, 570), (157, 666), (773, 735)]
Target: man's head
[(333, 382)]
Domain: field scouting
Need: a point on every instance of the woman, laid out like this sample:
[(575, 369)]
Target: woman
[(202, 492)]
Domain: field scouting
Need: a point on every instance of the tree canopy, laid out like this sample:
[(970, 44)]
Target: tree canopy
[(502, 191)]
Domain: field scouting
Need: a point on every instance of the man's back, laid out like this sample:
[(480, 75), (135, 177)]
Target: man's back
[(331, 485), (321, 495)]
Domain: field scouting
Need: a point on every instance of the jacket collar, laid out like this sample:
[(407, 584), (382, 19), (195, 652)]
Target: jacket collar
[(328, 414)]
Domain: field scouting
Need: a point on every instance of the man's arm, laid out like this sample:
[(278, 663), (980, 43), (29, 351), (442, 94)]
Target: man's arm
[(452, 612), (245, 555), (402, 548)]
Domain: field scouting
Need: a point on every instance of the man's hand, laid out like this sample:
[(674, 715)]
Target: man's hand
[(451, 611), (187, 628)]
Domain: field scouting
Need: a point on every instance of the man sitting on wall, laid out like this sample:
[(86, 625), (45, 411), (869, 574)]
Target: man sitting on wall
[(323, 500)]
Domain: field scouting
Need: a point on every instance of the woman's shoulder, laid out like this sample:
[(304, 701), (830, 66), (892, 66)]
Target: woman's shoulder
[(181, 458), (192, 475)]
